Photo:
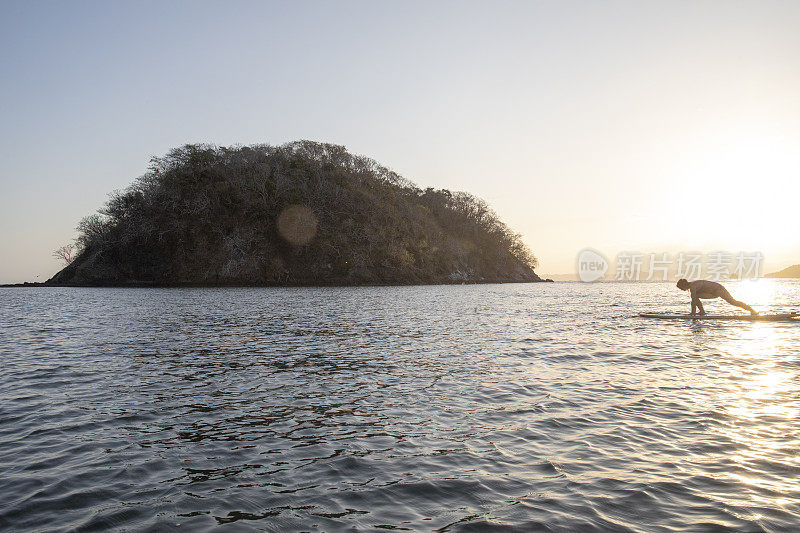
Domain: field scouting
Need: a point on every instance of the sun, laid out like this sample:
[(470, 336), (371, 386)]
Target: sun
[(738, 192)]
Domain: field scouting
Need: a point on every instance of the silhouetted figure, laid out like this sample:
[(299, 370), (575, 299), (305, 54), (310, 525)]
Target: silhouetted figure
[(708, 290)]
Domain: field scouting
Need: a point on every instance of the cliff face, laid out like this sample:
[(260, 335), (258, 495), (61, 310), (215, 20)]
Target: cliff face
[(304, 213)]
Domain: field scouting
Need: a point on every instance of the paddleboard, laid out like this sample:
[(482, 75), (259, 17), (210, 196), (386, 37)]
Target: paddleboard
[(779, 316)]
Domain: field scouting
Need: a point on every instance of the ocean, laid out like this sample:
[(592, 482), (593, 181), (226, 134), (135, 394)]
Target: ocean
[(518, 407)]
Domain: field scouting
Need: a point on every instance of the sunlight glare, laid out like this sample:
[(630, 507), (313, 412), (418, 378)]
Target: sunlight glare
[(744, 190)]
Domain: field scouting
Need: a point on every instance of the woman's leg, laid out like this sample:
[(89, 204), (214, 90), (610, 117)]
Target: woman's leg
[(730, 299)]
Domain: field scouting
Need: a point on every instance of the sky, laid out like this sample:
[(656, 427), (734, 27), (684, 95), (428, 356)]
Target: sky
[(618, 126)]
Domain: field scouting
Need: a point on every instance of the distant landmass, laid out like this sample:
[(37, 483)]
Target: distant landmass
[(304, 213), (790, 272), (564, 277)]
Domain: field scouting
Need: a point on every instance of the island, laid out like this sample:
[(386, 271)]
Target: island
[(789, 272), (303, 213)]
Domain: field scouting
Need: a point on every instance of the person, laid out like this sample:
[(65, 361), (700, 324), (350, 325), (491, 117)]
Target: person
[(707, 290)]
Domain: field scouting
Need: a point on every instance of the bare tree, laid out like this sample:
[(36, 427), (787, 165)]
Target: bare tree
[(66, 253)]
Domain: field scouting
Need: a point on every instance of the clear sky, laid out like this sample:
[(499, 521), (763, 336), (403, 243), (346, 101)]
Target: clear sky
[(643, 126)]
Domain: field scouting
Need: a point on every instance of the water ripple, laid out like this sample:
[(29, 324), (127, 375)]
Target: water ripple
[(546, 407)]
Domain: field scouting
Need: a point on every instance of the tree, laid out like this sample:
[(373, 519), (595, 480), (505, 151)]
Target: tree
[(66, 254)]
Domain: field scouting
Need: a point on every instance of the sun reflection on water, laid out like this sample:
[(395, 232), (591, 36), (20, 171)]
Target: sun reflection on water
[(759, 400)]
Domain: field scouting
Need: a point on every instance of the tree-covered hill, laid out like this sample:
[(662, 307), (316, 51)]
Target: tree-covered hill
[(297, 214), (788, 272)]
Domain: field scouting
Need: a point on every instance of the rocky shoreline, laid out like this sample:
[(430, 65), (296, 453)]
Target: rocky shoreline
[(143, 284)]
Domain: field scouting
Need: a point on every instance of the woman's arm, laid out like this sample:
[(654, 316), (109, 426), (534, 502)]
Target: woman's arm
[(696, 303)]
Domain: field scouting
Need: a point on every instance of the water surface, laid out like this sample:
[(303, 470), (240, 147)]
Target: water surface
[(452, 408)]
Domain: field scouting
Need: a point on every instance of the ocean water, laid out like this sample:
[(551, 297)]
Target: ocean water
[(523, 407)]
